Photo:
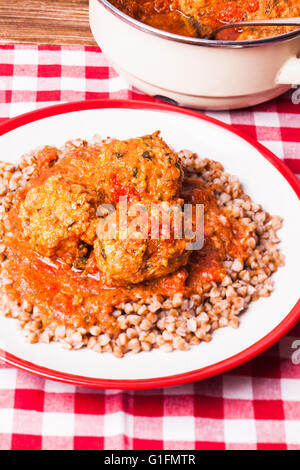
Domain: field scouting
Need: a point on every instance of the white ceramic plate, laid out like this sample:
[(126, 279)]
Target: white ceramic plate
[(265, 179)]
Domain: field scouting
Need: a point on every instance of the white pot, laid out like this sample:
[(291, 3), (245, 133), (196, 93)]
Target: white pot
[(195, 72)]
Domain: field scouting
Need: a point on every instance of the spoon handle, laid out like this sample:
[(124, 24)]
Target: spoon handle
[(273, 22)]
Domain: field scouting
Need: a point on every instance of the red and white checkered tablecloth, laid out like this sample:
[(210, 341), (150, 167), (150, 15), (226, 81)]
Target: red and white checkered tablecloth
[(256, 406)]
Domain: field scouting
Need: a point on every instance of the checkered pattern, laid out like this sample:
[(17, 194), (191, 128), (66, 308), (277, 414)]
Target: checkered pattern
[(256, 406)]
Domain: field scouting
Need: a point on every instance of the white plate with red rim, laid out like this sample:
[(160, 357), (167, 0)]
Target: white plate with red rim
[(264, 177)]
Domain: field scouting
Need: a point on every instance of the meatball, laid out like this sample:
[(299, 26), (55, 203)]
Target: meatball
[(58, 218), (81, 164), (144, 168), (141, 251), (133, 261)]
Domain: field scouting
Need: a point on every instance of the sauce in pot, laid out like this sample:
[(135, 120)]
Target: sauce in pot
[(211, 14)]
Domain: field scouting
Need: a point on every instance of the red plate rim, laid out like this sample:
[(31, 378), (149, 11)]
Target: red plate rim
[(234, 361)]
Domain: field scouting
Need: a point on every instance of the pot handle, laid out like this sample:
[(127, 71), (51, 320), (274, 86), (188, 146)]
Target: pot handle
[(289, 74)]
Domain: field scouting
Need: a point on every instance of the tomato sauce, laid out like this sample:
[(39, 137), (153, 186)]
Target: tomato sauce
[(84, 298)]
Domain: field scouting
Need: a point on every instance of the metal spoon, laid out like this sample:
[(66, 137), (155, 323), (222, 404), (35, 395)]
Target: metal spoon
[(242, 24), (201, 30)]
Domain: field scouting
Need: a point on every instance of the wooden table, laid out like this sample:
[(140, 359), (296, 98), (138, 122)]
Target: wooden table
[(45, 22)]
